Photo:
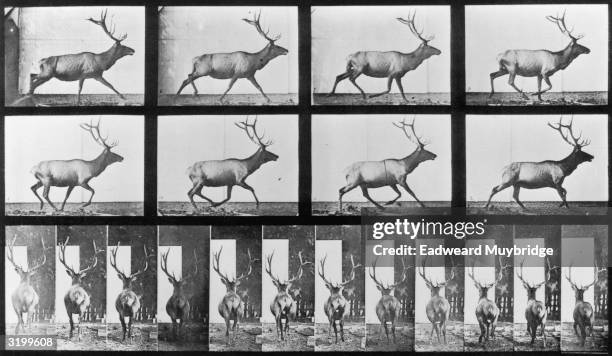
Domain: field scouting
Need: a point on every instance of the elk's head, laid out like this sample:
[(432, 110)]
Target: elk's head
[(231, 284), (272, 48), (424, 48), (109, 156), (283, 285), (575, 48), (262, 154), (532, 288), (119, 50), (334, 287), (78, 275), (577, 143), (434, 287), (178, 283), (128, 278), (483, 288), (387, 289), (579, 290), (26, 275), (421, 154)]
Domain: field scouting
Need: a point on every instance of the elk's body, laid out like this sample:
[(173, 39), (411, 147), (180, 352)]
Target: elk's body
[(177, 305), (583, 311), (388, 306), (438, 307)]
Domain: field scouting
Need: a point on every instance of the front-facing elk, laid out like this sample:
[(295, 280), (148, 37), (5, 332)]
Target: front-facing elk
[(538, 63), (231, 307), (437, 308), (84, 65), (487, 311), (392, 65), (232, 171), (283, 307), (74, 172), (235, 65), (25, 298), (336, 306), (583, 311), (127, 303), (545, 174), (389, 172), (76, 300)]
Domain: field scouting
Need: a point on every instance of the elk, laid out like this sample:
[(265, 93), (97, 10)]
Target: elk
[(389, 172), (388, 307), (127, 303), (235, 65), (84, 65), (583, 311), (438, 308), (392, 65), (487, 311), (25, 298), (74, 172), (283, 307), (232, 171), (76, 300), (535, 312), (231, 306), (336, 306), (538, 63), (545, 174), (177, 306)]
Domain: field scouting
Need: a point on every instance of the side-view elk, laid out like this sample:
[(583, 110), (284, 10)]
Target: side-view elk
[(24, 297), (389, 172), (388, 307), (437, 308), (76, 299), (232, 171), (84, 65), (74, 172), (236, 65), (177, 306), (541, 63), (231, 307), (487, 311), (127, 303), (392, 65), (336, 306), (545, 174), (283, 307), (583, 311)]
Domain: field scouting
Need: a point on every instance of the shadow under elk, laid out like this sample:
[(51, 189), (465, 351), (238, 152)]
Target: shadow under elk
[(583, 311), (438, 307)]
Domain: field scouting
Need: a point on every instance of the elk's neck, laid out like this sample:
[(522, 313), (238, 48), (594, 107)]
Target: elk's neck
[(253, 162), (263, 57), (100, 163), (411, 161), (109, 57), (569, 164), (565, 56)]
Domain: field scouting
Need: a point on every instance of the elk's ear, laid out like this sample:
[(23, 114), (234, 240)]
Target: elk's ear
[(379, 287), (68, 271), (171, 281), (119, 276)]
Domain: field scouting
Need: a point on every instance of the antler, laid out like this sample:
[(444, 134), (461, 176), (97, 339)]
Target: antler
[(560, 22), (11, 256), (577, 142), (269, 268), (146, 264), (471, 275), (164, 266), (216, 257), (255, 22), (102, 23), (255, 138), (300, 270), (94, 130), (498, 278), (250, 269), (409, 21), (321, 270), (596, 273), (372, 274), (195, 270), (412, 137), (113, 260), (43, 260), (452, 275), (526, 284), (352, 274), (62, 256), (94, 263), (422, 273)]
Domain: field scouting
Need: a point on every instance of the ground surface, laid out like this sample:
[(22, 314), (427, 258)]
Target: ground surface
[(227, 209), (296, 338), (192, 338), (244, 339), (354, 334), (454, 337), (90, 341), (568, 98), (387, 99), (141, 340), (522, 341), (230, 99), (501, 342), (72, 209), (71, 100), (599, 342), (35, 329), (377, 339), (537, 208), (401, 208)]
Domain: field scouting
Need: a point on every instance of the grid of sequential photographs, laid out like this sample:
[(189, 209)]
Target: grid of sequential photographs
[(195, 175)]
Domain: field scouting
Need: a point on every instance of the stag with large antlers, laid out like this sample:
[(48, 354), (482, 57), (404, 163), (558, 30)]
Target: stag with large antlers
[(25, 298), (236, 65), (76, 300), (231, 307), (545, 174), (336, 307), (84, 65), (177, 306), (538, 63), (74, 172), (127, 303), (438, 308), (283, 307), (583, 311), (388, 307), (389, 172), (392, 65), (232, 171)]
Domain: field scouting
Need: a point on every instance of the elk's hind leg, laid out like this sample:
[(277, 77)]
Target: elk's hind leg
[(37, 80), (501, 72), (515, 195), (81, 81), (34, 188), (511, 82), (347, 188), (123, 327), (353, 79), (46, 196), (339, 78), (496, 190)]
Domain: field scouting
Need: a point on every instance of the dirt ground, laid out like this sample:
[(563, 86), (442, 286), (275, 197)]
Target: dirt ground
[(399, 208), (35, 329), (192, 338), (71, 100), (387, 99), (230, 99), (568, 98), (227, 209), (354, 338), (597, 343), (90, 341), (142, 339), (74, 209), (244, 340), (501, 342), (537, 208), (376, 339), (296, 338), (454, 338), (522, 340)]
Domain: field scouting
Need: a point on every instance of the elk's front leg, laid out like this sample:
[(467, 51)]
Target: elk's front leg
[(364, 191), (394, 187), (563, 194), (511, 82), (109, 85), (86, 186), (398, 81), (231, 84), (389, 81), (407, 188), (229, 195), (248, 187), (70, 188), (254, 82)]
